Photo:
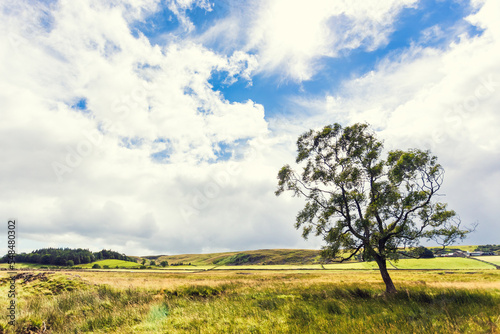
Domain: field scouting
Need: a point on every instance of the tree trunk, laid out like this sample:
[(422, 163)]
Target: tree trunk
[(389, 285)]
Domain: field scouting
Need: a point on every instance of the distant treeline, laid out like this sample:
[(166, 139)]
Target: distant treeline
[(66, 256), (488, 248)]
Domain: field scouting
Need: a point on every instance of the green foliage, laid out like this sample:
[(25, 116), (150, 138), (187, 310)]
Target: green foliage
[(70, 263), (164, 264), (418, 252), (425, 253), (362, 204), (61, 256), (96, 266), (488, 249)]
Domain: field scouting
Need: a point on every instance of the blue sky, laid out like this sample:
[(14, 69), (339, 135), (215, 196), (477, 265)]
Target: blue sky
[(273, 91), (158, 127)]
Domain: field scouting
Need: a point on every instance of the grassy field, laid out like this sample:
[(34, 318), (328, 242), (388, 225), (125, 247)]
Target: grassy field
[(491, 259), (238, 301), (442, 263), (431, 264), (455, 263), (111, 263)]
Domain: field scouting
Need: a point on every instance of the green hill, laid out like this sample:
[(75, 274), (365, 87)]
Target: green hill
[(261, 256)]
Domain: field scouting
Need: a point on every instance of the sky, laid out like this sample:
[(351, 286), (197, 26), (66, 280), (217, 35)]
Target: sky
[(159, 126)]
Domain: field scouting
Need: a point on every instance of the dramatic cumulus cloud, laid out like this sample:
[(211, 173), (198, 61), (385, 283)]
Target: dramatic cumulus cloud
[(445, 100), (111, 140), (108, 140), (290, 37)]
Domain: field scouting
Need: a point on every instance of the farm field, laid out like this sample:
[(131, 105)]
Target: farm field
[(110, 263), (455, 263), (491, 258), (240, 301), (442, 263)]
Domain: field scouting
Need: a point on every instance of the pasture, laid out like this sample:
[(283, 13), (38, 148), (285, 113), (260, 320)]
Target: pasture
[(110, 263), (289, 300), (492, 259)]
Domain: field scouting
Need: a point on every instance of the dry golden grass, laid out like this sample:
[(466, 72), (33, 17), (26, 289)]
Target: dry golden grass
[(243, 301), (485, 279)]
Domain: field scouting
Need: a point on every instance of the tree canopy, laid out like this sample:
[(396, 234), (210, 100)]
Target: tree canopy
[(61, 256), (364, 205)]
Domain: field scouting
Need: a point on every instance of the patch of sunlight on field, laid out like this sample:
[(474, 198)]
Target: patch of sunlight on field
[(441, 263), (271, 267), (351, 265), (435, 263), (112, 263), (492, 259)]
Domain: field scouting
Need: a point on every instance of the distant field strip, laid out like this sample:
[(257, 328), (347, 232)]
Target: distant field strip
[(442, 263), (408, 264), (436, 263), (492, 259), (111, 263)]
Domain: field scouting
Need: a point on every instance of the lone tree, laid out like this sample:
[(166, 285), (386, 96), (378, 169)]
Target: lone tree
[(363, 205)]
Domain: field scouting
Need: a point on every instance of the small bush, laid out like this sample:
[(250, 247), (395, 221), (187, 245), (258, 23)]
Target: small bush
[(96, 266)]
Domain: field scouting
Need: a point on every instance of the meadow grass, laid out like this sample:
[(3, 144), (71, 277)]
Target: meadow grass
[(112, 263), (316, 301), (442, 263)]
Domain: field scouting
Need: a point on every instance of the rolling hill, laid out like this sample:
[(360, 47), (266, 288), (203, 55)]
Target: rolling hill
[(262, 257)]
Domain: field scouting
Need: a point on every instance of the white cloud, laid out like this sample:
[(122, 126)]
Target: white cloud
[(86, 178), (145, 100), (290, 37), (443, 100)]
